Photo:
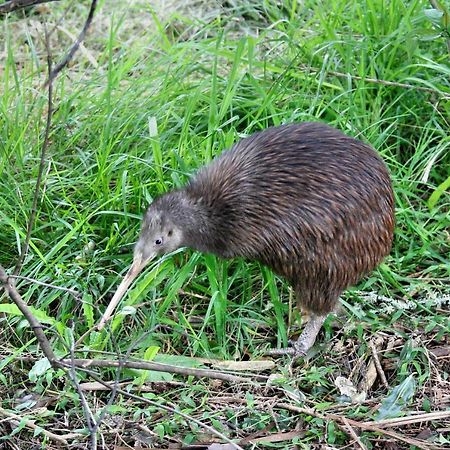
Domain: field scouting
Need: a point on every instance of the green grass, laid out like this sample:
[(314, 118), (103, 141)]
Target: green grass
[(205, 83)]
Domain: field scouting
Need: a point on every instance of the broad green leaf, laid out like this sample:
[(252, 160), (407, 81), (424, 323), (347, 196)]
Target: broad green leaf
[(128, 310), (396, 401), (177, 360), (40, 367), (149, 355), (12, 309), (88, 310), (435, 15)]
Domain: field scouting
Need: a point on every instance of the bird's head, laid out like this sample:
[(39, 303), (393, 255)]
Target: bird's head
[(160, 233)]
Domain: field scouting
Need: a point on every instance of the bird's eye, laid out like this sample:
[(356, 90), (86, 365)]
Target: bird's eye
[(158, 241), (169, 233)]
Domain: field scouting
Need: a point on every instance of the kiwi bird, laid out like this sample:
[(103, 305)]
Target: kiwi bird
[(311, 203)]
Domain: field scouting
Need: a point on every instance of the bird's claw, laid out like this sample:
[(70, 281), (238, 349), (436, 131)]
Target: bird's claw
[(295, 351)]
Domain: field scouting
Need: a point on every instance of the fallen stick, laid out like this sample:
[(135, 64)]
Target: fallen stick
[(407, 420), (160, 367)]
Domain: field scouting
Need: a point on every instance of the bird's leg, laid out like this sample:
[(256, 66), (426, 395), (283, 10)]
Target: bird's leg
[(305, 341)]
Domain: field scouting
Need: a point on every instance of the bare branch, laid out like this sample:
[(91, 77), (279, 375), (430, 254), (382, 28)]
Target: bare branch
[(372, 426), (92, 424), (160, 367), (75, 294), (353, 434), (53, 74), (376, 81), (377, 362), (14, 5), (34, 323)]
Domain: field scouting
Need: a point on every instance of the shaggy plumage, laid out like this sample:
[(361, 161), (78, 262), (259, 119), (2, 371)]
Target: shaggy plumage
[(311, 203)]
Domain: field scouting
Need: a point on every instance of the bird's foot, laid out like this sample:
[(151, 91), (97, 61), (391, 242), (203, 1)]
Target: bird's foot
[(294, 350), (300, 347)]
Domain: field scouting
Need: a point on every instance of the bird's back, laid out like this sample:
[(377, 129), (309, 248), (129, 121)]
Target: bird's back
[(295, 193)]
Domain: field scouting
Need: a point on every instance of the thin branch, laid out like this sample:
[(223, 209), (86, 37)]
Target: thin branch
[(34, 323), (26, 243), (362, 425), (54, 73), (75, 294), (90, 419), (14, 5), (159, 367), (408, 420), (353, 434), (377, 362)]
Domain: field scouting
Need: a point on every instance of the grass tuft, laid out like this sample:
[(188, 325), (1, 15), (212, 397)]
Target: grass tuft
[(172, 89)]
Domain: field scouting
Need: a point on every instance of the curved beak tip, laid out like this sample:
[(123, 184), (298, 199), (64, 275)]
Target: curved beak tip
[(136, 268)]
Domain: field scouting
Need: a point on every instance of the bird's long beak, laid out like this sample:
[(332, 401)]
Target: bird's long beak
[(138, 264)]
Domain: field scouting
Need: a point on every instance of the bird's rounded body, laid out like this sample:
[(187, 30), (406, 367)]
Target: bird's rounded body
[(311, 203)]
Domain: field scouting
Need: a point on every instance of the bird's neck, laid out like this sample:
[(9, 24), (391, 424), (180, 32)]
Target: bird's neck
[(203, 229)]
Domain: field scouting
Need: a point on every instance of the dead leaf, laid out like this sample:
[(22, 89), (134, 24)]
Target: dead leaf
[(441, 352), (347, 388), (278, 437), (253, 366)]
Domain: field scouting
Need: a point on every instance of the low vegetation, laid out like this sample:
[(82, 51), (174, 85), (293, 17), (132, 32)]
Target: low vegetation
[(153, 95)]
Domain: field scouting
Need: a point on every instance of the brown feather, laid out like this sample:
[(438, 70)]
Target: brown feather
[(311, 203)]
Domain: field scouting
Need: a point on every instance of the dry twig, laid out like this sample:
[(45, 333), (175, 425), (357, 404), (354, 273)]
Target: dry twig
[(92, 423), (408, 420), (377, 362), (14, 5), (353, 434), (160, 367), (376, 81), (74, 293), (34, 323), (54, 73)]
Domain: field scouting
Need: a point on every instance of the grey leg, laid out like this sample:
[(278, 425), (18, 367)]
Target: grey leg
[(305, 340)]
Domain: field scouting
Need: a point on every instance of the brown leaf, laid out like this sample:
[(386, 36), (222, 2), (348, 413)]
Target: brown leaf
[(441, 352), (278, 437), (254, 366)]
